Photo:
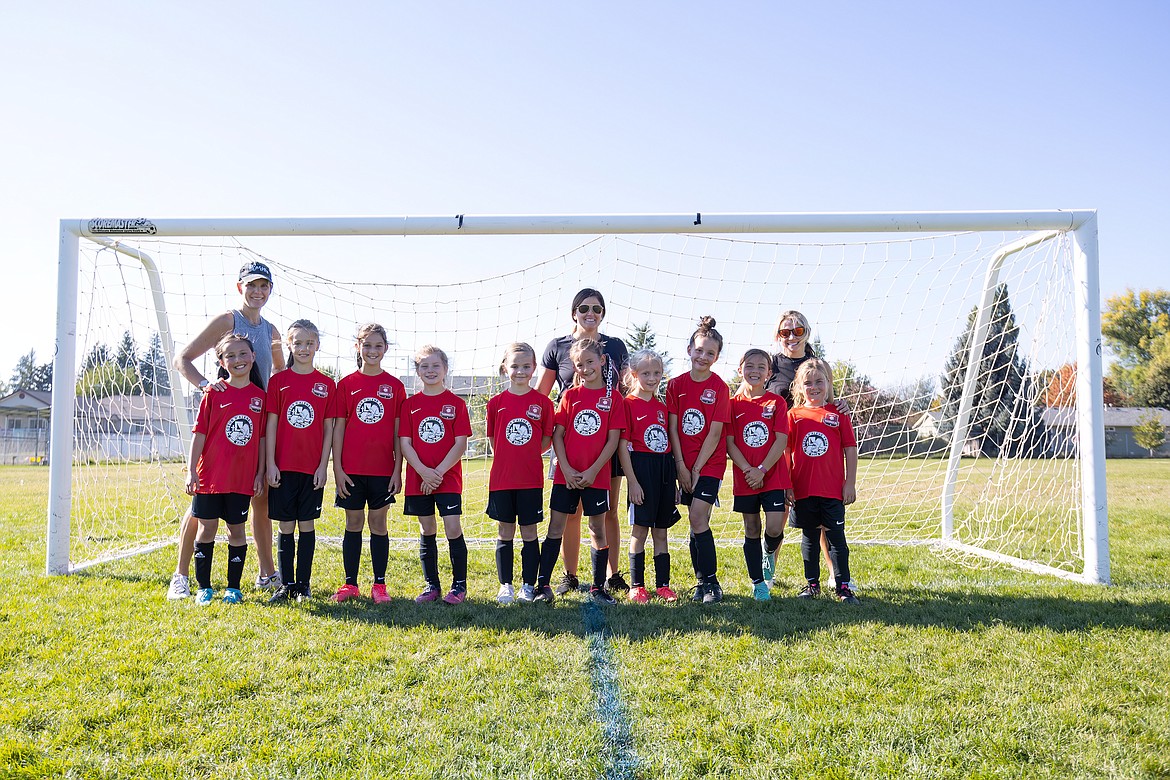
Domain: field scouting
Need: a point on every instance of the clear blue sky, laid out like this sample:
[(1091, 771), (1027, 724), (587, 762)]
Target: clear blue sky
[(291, 108)]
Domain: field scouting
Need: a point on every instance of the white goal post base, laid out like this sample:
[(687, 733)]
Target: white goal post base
[(1077, 229)]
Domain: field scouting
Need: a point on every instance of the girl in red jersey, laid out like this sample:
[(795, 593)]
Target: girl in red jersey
[(519, 427), (225, 468), (367, 460), (699, 408), (644, 452), (434, 430), (823, 454), (589, 420), (298, 438), (755, 443)]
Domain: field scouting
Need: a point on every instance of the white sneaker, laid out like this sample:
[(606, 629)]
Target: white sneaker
[(180, 588), (271, 582), (507, 594)]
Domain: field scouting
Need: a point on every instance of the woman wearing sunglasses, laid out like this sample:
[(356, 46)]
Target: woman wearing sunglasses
[(587, 311)]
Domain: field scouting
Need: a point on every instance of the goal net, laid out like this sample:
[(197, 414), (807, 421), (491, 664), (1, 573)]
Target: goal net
[(951, 350)]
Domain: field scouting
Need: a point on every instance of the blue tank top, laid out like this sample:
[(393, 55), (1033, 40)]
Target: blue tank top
[(261, 338)]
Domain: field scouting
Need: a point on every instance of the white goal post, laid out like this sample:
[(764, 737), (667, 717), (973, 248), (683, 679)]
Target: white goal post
[(1077, 229)]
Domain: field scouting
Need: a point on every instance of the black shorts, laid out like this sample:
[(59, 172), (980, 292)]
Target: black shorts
[(656, 476), (706, 489), (817, 511), (769, 501), (372, 491), (232, 508), (595, 501), (296, 498), (446, 504), (525, 506)]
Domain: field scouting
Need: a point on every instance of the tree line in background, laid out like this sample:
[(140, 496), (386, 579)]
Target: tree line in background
[(104, 372)]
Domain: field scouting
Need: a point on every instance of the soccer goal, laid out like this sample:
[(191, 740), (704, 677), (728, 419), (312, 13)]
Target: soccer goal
[(951, 336)]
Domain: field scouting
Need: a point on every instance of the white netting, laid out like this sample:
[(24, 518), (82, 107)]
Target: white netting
[(889, 315)]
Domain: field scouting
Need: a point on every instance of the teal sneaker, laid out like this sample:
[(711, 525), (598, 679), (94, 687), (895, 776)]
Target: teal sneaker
[(761, 592), (204, 596), (769, 567), (232, 596)]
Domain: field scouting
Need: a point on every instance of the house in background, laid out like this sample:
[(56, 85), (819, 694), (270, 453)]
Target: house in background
[(1119, 424), (24, 426)]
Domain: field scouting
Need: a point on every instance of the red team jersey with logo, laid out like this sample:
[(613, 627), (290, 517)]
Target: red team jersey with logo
[(817, 438), (432, 422), (516, 424), (646, 425), (588, 416), (370, 406), (697, 405), (233, 422), (755, 424), (301, 404)]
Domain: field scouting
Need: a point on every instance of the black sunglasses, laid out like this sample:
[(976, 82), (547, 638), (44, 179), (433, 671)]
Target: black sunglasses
[(585, 308)]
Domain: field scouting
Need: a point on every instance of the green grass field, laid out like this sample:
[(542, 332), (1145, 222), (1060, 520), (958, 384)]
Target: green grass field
[(942, 671)]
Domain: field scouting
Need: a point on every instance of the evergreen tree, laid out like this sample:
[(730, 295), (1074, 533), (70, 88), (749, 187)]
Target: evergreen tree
[(98, 355), (127, 354), (29, 375), (152, 369)]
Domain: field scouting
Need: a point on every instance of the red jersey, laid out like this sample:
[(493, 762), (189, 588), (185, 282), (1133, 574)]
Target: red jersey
[(233, 422), (697, 405), (646, 425), (301, 404), (817, 438), (432, 422), (370, 406), (516, 425), (755, 424), (588, 416)]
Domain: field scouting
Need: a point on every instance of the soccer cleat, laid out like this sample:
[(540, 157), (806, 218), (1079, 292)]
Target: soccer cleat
[(761, 592), (232, 596), (204, 596), (379, 595), (617, 582), (602, 597), (567, 584), (527, 593), (713, 593), (271, 582), (846, 596), (283, 593), (810, 591), (302, 595), (457, 595), (697, 593), (507, 594), (430, 593), (545, 594), (639, 595), (179, 589), (666, 594), (347, 592), (769, 567)]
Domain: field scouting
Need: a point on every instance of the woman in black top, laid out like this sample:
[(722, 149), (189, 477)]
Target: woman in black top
[(587, 312)]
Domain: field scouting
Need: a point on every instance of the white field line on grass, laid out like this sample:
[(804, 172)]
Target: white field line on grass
[(620, 760)]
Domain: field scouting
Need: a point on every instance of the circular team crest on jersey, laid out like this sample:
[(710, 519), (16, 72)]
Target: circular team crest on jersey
[(370, 410), (755, 434), (518, 432), (300, 414), (693, 422), (815, 444), (587, 422), (431, 430), (656, 439), (239, 430)]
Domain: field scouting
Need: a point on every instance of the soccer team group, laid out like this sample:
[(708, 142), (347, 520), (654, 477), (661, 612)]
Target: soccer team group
[(268, 424)]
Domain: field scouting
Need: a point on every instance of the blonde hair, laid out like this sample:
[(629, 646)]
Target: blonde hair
[(364, 332), (801, 320), (514, 348), (802, 371), (707, 330), (425, 351), (637, 359)]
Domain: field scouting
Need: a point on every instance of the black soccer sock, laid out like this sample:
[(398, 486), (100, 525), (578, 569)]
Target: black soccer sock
[(550, 551), (600, 562), (203, 554), (236, 556), (810, 551), (457, 550), (379, 555), (693, 549), (530, 561), (286, 547), (351, 555), (753, 559), (638, 569), (428, 553), (662, 570), (708, 560), (772, 543), (504, 560), (305, 558)]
